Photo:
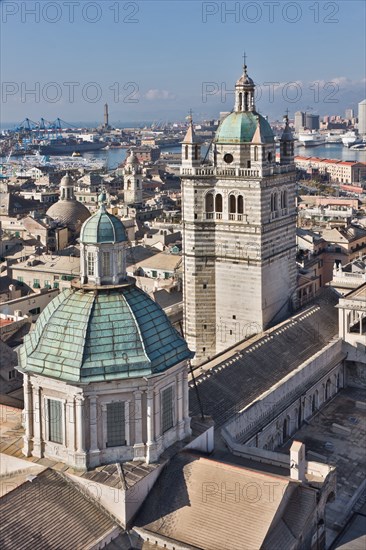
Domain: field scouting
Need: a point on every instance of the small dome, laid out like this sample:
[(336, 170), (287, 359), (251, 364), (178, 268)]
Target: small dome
[(245, 80), (70, 212), (132, 159), (66, 181), (109, 335), (102, 227), (241, 127)]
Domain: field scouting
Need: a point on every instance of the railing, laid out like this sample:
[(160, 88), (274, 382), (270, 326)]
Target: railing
[(221, 216), (237, 172)]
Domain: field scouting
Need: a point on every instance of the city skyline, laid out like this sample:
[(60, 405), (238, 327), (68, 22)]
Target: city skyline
[(154, 61)]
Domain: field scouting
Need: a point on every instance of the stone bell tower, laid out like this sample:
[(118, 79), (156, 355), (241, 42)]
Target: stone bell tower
[(239, 230)]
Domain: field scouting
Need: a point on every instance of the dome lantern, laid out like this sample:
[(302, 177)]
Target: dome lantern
[(103, 242), (244, 92)]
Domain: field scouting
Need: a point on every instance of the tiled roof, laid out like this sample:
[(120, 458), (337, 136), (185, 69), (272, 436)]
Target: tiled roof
[(231, 385), (50, 512), (111, 334), (214, 505)]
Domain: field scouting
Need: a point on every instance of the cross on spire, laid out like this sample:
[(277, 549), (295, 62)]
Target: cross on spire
[(190, 117), (244, 61), (286, 115)]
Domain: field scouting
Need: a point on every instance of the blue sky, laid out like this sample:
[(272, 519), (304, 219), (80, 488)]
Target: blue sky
[(154, 60)]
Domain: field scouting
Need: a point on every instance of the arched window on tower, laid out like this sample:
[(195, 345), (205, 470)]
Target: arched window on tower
[(284, 199), (232, 207), (255, 153), (209, 206), (186, 152), (240, 101), (218, 206), (269, 157), (240, 207), (246, 104), (196, 152)]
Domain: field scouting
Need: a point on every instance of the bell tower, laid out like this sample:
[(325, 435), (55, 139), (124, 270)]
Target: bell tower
[(239, 231), (132, 175), (191, 147)]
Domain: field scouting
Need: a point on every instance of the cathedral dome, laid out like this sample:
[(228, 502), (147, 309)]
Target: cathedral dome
[(103, 227), (67, 209), (240, 127), (108, 335), (70, 212)]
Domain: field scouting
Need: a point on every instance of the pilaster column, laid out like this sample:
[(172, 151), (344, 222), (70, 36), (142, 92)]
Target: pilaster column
[(138, 418), (157, 415), (93, 424), (180, 405), (186, 417), (139, 445), (80, 424), (70, 421), (37, 425), (150, 425), (28, 416)]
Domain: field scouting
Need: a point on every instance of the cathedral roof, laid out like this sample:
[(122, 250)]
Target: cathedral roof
[(254, 366), (240, 127), (112, 334), (103, 227)]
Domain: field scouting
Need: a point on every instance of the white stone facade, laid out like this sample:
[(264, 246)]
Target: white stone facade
[(84, 418), (240, 267)]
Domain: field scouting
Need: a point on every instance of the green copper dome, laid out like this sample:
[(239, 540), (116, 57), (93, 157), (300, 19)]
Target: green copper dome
[(109, 335), (240, 127), (102, 227)]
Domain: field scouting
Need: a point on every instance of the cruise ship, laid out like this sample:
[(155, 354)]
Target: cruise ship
[(311, 139), (69, 146), (351, 138)]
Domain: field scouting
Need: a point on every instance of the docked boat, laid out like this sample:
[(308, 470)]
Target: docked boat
[(311, 139), (351, 138), (359, 147), (333, 138), (70, 146)]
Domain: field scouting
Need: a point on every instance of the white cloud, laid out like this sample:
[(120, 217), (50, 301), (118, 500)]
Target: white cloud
[(155, 94)]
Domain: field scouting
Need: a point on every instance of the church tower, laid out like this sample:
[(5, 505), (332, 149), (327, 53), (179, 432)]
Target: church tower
[(132, 175), (191, 147), (239, 230)]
